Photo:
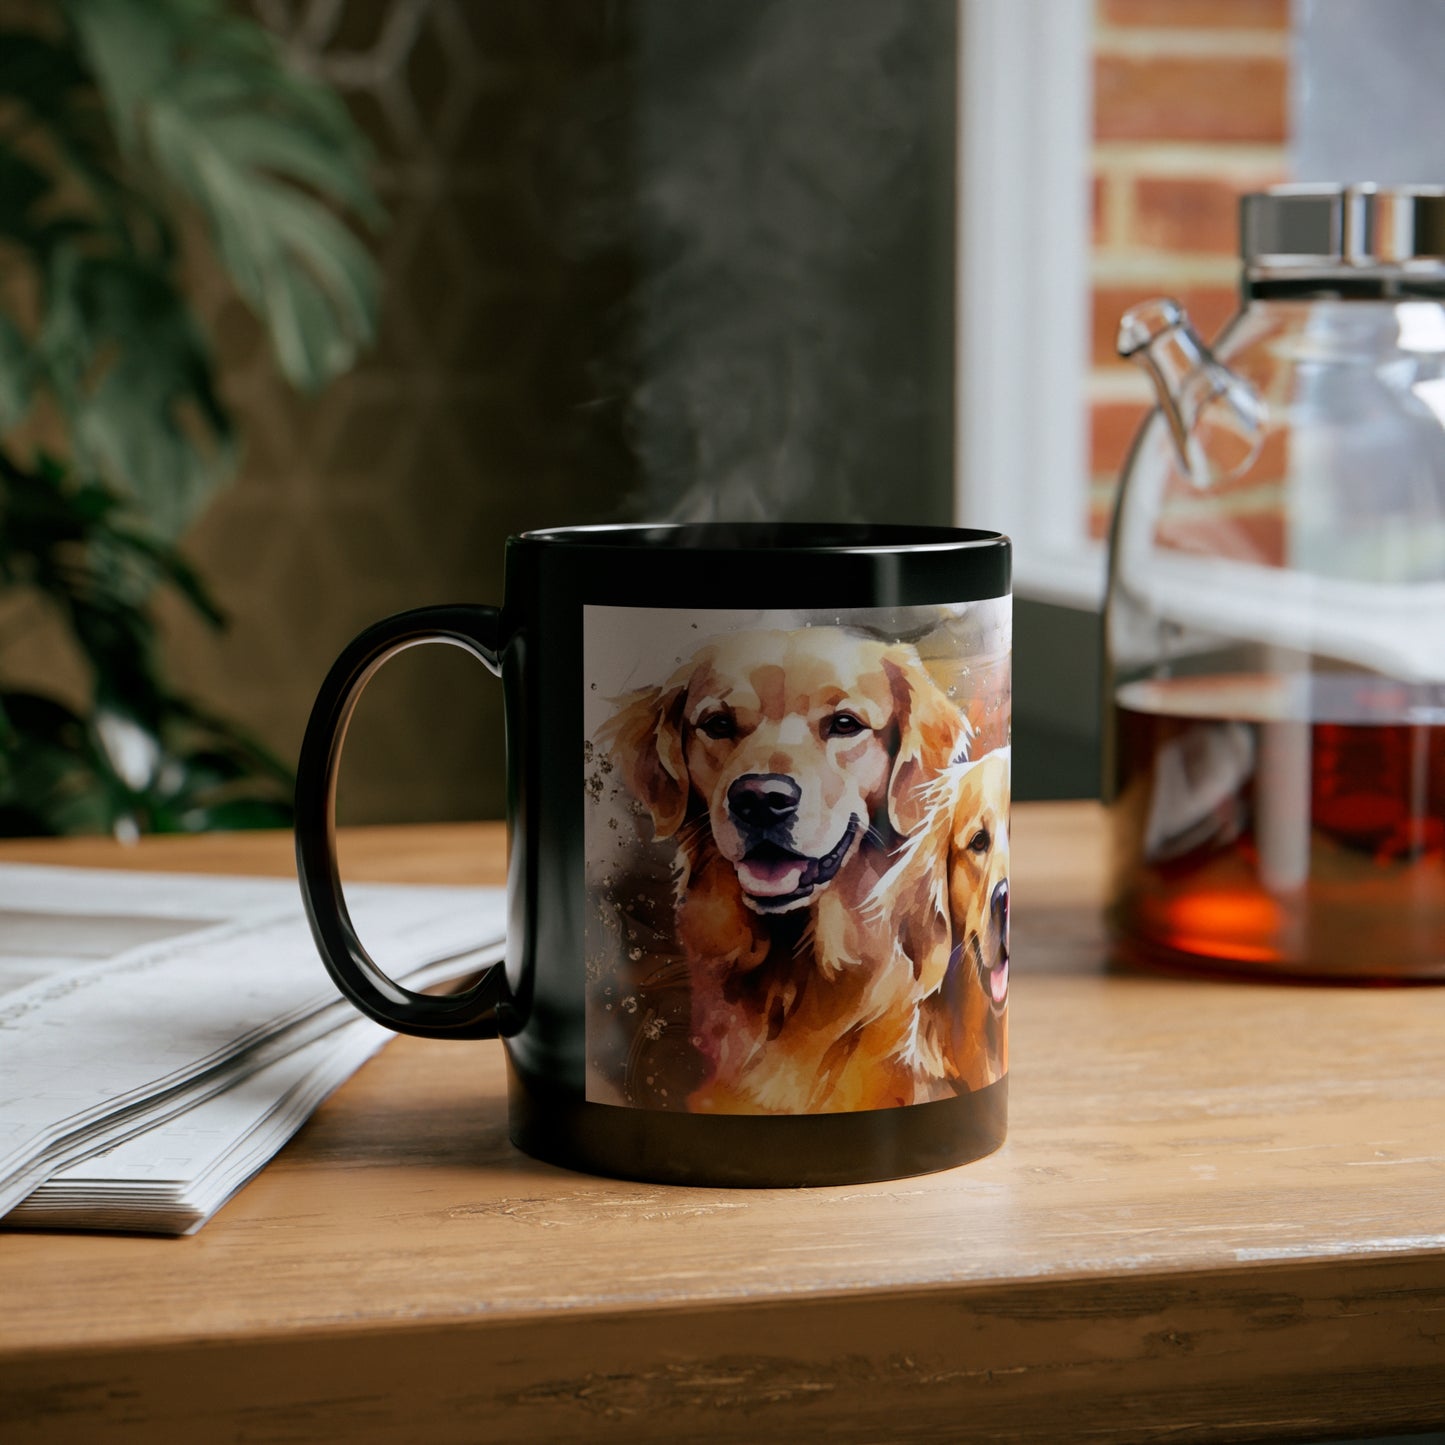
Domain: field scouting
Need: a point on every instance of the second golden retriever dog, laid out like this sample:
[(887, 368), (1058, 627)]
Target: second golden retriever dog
[(951, 884), (790, 766)]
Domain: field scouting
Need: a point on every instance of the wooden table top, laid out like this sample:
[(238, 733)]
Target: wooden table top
[(1220, 1213)]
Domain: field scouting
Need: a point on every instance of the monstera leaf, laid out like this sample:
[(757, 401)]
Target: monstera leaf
[(148, 418), (154, 107), (118, 120), (142, 758), (15, 374), (203, 100)]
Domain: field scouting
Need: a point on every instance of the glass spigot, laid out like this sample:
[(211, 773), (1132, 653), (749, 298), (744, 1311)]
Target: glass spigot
[(1216, 418)]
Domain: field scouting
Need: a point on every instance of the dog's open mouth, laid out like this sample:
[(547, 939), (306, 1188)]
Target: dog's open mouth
[(775, 879), (993, 973)]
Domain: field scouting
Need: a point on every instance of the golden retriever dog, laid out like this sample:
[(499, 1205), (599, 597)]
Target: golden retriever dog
[(789, 767), (951, 889)]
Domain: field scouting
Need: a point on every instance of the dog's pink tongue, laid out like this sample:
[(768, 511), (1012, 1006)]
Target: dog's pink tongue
[(771, 877), (998, 982)]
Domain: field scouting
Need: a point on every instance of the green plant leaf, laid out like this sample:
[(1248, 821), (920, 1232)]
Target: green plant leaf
[(218, 733), (53, 785), (73, 545), (170, 566), (310, 280), (22, 185), (17, 375), (39, 73), (134, 377), (233, 814), (135, 105), (63, 773), (129, 47), (264, 152), (52, 90)]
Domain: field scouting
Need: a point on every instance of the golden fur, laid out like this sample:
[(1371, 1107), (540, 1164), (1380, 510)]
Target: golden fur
[(951, 888), (828, 740)]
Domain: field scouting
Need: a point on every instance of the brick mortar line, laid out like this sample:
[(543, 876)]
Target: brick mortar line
[(1119, 385), (1124, 266), (1173, 43), (1126, 171), (1187, 160), (1266, 499)]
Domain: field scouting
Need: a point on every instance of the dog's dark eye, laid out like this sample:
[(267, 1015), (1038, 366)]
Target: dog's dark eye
[(981, 842), (719, 726), (844, 725)]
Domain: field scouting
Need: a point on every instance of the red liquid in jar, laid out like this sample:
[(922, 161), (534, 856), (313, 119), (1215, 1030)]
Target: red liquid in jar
[(1281, 826)]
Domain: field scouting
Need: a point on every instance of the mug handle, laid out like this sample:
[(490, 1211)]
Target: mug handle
[(471, 1014)]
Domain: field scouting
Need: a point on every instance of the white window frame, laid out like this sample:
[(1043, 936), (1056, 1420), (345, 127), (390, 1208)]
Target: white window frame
[(1025, 122)]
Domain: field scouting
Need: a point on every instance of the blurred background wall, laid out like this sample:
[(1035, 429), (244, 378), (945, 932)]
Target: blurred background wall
[(479, 413), (645, 258), (1190, 110), (667, 258)]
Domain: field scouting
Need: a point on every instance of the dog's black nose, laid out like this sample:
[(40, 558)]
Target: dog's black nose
[(998, 903), (763, 800)]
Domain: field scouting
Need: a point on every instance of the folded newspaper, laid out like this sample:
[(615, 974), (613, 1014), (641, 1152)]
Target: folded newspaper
[(162, 1035)]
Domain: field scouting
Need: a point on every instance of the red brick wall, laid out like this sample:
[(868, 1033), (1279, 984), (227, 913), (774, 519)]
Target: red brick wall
[(1190, 111)]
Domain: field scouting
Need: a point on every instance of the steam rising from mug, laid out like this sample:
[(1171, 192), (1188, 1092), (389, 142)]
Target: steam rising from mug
[(789, 328)]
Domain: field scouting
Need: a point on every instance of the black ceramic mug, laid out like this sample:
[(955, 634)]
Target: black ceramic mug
[(758, 805)]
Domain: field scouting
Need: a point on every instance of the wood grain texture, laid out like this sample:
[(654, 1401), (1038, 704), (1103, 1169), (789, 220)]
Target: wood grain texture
[(1220, 1214)]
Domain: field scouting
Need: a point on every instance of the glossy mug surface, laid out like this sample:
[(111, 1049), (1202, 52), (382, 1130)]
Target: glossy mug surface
[(758, 808)]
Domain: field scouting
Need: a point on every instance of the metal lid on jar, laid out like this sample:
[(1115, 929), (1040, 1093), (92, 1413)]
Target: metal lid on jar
[(1335, 229)]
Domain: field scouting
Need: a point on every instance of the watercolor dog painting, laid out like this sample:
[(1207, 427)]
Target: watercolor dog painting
[(952, 881), (840, 867)]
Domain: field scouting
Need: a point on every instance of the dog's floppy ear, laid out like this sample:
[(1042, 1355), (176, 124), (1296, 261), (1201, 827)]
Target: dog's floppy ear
[(911, 900), (931, 732), (644, 739), (925, 924)]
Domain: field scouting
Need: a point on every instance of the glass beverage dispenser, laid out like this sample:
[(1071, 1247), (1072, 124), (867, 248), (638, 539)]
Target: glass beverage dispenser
[(1275, 624)]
